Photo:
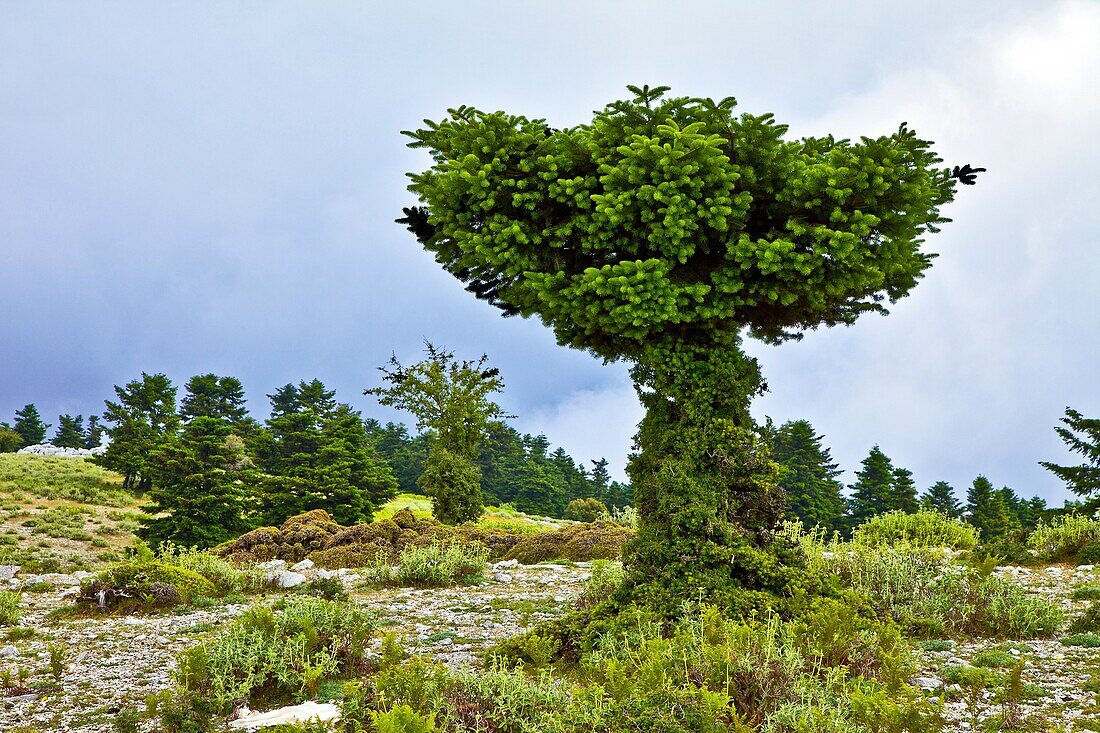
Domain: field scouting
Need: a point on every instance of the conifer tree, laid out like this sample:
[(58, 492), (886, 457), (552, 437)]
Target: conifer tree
[(940, 497), (450, 398), (872, 493), (197, 497), (93, 435), (208, 395), (986, 510), (316, 454), (404, 454), (29, 425), (70, 432), (808, 474), (903, 493), (143, 416), (659, 233), (1082, 436)]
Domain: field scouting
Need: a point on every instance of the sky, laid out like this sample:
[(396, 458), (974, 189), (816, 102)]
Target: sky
[(191, 187)]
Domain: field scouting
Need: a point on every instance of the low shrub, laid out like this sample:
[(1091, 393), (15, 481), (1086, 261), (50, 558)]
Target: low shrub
[(225, 578), (603, 581), (586, 510), (920, 529), (1088, 621), (143, 585), (1087, 592), (10, 613), (931, 599), (441, 565), (402, 719), (276, 655), (589, 541), (1085, 639), (1064, 537)]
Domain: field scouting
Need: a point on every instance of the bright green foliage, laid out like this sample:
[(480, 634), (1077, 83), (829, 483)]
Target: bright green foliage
[(208, 395), (1064, 537), (586, 510), (10, 613), (316, 454), (925, 528), (454, 483), (450, 398), (657, 233), (143, 416), (405, 454), (93, 435), (143, 584), (441, 565), (70, 432), (1082, 436), (987, 511), (873, 491), (808, 474), (402, 719), (29, 425), (940, 497), (197, 498), (277, 654), (10, 440)]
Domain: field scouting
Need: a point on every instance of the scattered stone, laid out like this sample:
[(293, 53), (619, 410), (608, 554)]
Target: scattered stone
[(289, 579), (307, 711), (9, 651), (8, 572), (928, 683), (45, 449), (302, 566)]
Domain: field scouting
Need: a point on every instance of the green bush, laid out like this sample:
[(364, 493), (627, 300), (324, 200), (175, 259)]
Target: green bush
[(441, 565), (586, 510), (10, 613), (1064, 537), (1088, 621), (144, 585), (402, 719), (1087, 592), (931, 599), (1086, 639), (606, 577), (921, 529), (277, 655), (589, 541), (225, 578)]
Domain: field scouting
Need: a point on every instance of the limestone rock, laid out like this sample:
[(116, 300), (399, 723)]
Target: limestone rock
[(307, 711)]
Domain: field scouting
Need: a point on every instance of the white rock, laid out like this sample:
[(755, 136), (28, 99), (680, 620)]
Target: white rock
[(502, 577), (927, 683), (506, 564), (302, 566), (9, 651), (289, 579), (1085, 568), (7, 572), (45, 449), (324, 712)]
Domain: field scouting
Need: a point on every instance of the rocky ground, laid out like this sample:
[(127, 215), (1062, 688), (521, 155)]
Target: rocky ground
[(75, 674)]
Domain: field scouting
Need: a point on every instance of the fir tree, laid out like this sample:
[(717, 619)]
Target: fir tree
[(208, 395), (143, 416), (196, 490), (316, 454), (940, 497), (808, 474), (986, 510), (70, 432), (600, 479), (405, 454), (93, 434), (903, 492), (29, 425), (872, 493), (1082, 436)]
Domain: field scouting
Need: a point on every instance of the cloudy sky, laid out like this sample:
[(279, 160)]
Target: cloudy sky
[(191, 187)]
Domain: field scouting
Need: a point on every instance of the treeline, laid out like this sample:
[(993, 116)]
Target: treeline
[(817, 497), (211, 471)]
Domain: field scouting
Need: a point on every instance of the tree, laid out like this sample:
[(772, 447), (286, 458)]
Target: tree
[(197, 497), (585, 510), (450, 398), (143, 416), (903, 493), (93, 435), (70, 432), (10, 440), (1082, 436), (659, 233), (29, 425), (208, 395), (986, 510), (316, 454), (405, 454), (872, 493), (808, 474), (940, 497)]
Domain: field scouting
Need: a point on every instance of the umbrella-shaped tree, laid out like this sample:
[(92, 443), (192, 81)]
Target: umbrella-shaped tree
[(659, 234)]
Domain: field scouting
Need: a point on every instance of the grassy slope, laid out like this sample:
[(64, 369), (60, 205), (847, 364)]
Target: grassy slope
[(61, 514)]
